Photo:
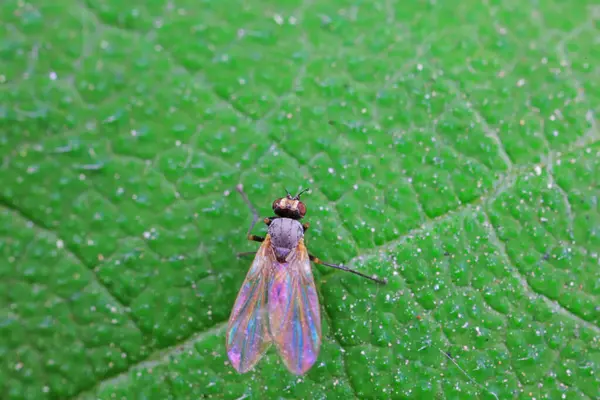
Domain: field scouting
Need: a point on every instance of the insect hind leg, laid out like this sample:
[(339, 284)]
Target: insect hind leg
[(246, 254), (317, 260)]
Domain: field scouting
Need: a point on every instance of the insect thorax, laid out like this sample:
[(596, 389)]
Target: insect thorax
[(285, 234)]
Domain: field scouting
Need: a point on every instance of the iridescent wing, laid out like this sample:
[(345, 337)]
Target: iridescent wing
[(248, 331), (294, 315)]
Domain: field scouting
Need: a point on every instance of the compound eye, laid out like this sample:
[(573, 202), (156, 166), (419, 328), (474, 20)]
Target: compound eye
[(301, 209)]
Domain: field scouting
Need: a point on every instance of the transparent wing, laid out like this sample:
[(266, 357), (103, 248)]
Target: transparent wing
[(248, 332), (294, 314)]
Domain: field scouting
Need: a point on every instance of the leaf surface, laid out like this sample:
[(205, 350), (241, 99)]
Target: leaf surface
[(451, 147)]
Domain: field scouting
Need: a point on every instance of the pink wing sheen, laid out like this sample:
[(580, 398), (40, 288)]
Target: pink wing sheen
[(294, 314), (248, 332)]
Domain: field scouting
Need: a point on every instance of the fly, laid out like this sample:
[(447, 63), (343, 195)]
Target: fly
[(278, 302)]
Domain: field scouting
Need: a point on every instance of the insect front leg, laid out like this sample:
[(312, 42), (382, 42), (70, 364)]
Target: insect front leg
[(317, 260), (268, 220), (255, 216)]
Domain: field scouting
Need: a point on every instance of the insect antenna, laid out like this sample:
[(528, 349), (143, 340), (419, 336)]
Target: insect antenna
[(302, 191)]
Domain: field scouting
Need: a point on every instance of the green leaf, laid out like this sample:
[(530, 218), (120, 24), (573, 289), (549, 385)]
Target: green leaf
[(451, 146)]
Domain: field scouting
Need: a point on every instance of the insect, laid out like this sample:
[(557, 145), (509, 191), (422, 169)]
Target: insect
[(278, 302)]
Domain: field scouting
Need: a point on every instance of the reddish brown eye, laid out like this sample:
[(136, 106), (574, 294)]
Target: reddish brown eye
[(301, 209)]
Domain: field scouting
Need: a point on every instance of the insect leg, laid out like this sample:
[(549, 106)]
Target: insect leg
[(305, 226), (256, 238), (255, 217), (343, 268), (268, 220), (245, 254)]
